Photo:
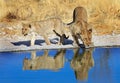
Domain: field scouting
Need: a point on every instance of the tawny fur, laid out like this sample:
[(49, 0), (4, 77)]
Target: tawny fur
[(44, 28), (80, 27)]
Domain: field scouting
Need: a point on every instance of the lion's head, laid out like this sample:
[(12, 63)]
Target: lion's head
[(26, 29)]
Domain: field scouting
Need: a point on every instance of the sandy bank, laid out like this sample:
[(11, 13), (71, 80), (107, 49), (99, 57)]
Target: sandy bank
[(18, 45)]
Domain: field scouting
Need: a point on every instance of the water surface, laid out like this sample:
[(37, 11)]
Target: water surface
[(99, 65)]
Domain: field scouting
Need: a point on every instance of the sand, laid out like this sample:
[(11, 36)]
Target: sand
[(23, 44)]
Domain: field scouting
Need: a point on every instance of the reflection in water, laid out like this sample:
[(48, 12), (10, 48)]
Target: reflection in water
[(44, 61), (73, 64), (81, 63)]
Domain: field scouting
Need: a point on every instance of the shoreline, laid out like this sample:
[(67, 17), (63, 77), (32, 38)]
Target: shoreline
[(105, 41), (44, 48)]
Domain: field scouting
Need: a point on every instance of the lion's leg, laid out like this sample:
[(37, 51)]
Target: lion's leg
[(81, 38), (32, 40), (62, 39), (47, 41), (76, 40), (84, 39), (87, 37)]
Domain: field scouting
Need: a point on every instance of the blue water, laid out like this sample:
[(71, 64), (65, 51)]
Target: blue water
[(99, 65)]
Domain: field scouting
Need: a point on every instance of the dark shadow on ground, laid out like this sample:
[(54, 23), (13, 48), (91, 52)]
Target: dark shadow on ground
[(39, 42), (27, 43), (67, 41)]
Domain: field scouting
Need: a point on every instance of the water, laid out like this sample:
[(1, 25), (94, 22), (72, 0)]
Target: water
[(99, 65)]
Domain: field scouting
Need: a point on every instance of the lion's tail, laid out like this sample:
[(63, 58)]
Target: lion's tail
[(63, 35), (56, 33)]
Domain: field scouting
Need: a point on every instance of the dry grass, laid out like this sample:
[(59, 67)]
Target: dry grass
[(103, 14), (6, 32)]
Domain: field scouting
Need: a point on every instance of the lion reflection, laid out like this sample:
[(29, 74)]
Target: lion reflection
[(45, 61), (81, 63)]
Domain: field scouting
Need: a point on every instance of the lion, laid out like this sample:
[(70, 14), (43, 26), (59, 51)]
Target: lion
[(44, 28), (80, 29)]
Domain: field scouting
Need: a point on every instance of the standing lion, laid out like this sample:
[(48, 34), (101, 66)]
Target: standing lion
[(44, 28), (80, 28)]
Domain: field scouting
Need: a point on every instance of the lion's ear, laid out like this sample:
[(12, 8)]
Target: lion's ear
[(29, 26)]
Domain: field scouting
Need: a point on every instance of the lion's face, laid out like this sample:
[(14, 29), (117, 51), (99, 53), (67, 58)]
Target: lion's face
[(26, 29)]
